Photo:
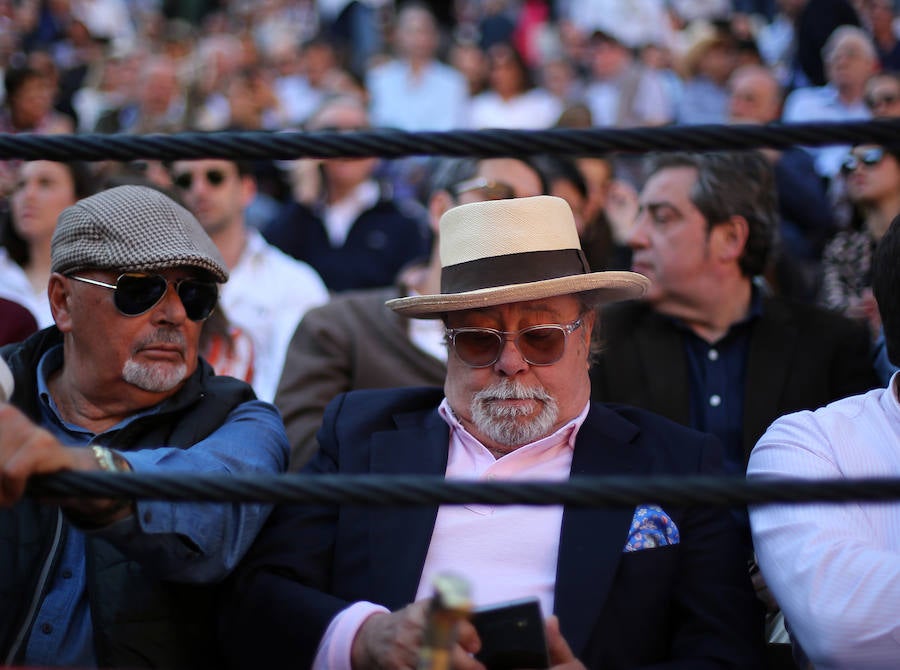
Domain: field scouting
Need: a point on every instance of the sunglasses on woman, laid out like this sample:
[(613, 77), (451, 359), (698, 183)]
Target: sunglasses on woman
[(869, 157), (134, 293), (185, 180), (873, 101), (539, 345)]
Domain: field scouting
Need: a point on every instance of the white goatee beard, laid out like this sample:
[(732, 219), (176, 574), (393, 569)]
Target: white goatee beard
[(501, 423), (156, 377)]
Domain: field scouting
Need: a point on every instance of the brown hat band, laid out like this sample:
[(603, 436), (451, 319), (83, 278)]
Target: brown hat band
[(509, 269)]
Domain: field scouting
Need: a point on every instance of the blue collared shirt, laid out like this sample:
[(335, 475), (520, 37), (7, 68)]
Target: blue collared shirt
[(187, 542), (717, 374)]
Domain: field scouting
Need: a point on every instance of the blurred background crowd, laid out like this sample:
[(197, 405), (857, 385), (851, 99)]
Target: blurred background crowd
[(147, 66)]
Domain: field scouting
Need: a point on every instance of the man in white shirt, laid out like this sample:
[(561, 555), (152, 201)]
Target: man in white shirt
[(415, 91), (850, 59), (835, 569), (269, 291)]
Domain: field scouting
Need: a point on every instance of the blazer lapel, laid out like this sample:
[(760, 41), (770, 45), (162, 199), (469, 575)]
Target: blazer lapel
[(399, 536), (592, 539), (772, 343)]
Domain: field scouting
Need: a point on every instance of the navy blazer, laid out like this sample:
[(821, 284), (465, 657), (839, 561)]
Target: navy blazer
[(688, 605)]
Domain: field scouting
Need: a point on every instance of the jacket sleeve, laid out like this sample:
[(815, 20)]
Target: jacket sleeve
[(276, 607)]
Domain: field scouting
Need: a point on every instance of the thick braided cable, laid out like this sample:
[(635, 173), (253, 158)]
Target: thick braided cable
[(478, 143), (388, 490)]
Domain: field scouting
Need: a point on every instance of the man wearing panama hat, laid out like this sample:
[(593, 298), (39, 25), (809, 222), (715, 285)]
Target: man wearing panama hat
[(331, 587)]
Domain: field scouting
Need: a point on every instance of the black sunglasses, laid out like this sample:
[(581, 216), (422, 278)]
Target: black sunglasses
[(873, 101), (869, 157), (134, 294), (185, 180), (539, 345)]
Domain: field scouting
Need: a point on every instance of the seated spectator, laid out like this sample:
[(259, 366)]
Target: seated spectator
[(878, 17), (356, 342), (415, 91), (708, 346), (805, 218), (706, 67), (42, 191), (834, 569), (872, 174), (512, 100), (156, 103), (621, 91), (349, 586), (28, 106), (117, 385), (268, 292), (850, 60), (882, 95), (341, 221)]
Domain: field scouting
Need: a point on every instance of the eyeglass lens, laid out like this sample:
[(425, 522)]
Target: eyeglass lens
[(135, 294), (868, 158), (874, 101), (539, 345), (185, 180)]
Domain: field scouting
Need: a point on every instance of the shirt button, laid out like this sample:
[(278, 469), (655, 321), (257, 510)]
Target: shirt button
[(46, 628), (715, 400), (67, 574), (713, 354)]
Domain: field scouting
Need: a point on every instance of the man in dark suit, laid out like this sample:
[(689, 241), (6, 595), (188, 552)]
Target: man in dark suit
[(708, 346), (331, 586)]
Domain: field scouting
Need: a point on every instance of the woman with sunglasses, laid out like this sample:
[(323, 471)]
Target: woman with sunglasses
[(872, 178), (43, 189)]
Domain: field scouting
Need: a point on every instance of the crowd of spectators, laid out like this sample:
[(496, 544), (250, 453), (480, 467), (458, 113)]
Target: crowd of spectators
[(339, 236)]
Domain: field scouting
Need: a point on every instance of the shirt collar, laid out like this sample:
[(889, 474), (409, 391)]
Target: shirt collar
[(564, 434)]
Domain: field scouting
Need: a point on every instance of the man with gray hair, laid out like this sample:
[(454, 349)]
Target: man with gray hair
[(850, 59), (117, 385)]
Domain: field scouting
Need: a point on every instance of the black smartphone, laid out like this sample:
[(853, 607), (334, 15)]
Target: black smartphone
[(512, 635)]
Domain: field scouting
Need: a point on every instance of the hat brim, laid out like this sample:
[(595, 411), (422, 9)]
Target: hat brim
[(604, 287)]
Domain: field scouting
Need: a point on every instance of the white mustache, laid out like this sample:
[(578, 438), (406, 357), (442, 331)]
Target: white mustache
[(512, 390), (161, 336)]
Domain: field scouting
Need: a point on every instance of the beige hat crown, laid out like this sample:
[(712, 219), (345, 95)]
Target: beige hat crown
[(502, 251), (132, 229)]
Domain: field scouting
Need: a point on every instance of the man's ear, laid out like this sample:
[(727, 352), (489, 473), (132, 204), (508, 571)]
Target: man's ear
[(729, 239), (439, 203), (60, 297), (248, 189)]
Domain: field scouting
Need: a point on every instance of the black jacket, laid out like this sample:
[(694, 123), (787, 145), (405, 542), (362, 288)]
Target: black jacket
[(138, 620)]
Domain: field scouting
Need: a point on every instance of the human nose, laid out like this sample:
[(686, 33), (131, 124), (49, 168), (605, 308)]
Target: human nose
[(511, 361), (637, 238), (170, 309)]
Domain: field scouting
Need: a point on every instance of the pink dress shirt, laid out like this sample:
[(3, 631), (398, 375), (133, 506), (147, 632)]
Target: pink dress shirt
[(505, 552)]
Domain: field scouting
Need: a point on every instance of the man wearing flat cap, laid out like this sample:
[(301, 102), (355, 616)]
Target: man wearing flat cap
[(348, 586), (117, 385)]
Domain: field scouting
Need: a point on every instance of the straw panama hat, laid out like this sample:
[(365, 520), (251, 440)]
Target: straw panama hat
[(503, 251)]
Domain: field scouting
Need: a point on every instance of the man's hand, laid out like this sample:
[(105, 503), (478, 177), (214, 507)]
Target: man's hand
[(26, 450), (392, 641), (561, 656)]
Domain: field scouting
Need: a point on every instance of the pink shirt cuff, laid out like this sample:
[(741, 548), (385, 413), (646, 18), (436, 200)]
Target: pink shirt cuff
[(334, 649)]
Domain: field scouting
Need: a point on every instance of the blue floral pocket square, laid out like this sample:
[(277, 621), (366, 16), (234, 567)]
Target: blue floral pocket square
[(651, 527)]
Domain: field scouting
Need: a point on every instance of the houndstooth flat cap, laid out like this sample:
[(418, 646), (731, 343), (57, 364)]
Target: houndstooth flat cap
[(132, 229)]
